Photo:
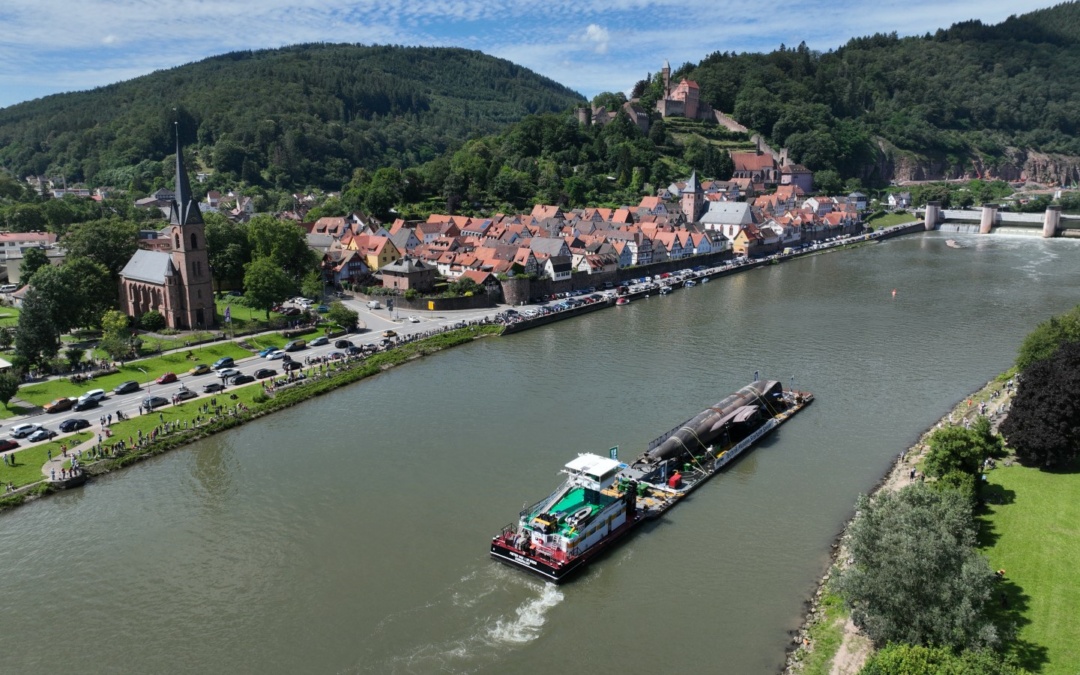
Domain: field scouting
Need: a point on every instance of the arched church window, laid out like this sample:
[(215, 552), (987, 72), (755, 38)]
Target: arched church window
[(194, 242), (176, 239)]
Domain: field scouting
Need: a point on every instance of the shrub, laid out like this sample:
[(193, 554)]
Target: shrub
[(152, 320)]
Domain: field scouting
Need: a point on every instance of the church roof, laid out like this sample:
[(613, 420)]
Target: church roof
[(184, 208), (692, 185), (150, 266)]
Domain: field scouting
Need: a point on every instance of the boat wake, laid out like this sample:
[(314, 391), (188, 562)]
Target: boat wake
[(530, 618), (477, 621)]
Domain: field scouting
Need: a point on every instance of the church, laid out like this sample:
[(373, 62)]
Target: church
[(176, 284)]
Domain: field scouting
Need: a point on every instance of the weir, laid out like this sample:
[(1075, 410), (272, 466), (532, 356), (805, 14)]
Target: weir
[(989, 218)]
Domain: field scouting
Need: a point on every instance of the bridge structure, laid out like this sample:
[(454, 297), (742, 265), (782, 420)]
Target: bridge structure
[(989, 217)]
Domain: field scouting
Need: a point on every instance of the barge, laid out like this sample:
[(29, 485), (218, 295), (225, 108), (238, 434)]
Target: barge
[(602, 499)]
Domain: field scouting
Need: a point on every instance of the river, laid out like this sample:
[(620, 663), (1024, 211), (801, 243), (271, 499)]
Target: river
[(350, 534)]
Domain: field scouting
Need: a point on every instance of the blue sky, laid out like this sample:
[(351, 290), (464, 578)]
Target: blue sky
[(51, 46)]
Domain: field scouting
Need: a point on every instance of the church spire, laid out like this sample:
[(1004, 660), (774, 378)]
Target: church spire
[(184, 208)]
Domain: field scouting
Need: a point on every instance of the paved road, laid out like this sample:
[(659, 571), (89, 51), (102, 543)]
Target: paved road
[(377, 322)]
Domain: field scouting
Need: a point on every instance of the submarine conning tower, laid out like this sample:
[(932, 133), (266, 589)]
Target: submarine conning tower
[(736, 415)]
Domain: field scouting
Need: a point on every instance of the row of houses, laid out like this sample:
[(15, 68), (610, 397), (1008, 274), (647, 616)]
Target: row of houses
[(556, 243)]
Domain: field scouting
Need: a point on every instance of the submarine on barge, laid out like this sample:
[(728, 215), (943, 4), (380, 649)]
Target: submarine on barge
[(602, 499)]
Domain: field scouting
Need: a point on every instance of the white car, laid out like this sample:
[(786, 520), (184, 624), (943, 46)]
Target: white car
[(275, 355), (414, 319), (24, 430)]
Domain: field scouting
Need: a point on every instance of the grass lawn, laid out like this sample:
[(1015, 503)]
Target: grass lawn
[(243, 317), (260, 342), (890, 219), (826, 635), (176, 362), (9, 317), (28, 462), (186, 411), (1032, 531)]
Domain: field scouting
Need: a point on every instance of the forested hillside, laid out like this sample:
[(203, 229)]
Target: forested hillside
[(971, 99), (288, 118)]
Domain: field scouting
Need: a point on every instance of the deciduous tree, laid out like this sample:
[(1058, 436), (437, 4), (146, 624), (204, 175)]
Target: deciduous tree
[(343, 316), (1043, 425), (915, 575), (33, 260), (37, 338), (9, 386), (109, 242), (901, 659), (265, 285)]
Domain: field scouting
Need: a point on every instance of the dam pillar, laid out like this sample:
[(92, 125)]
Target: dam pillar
[(933, 213), (989, 217), (1051, 221)]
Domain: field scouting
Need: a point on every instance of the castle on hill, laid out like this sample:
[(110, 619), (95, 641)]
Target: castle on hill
[(682, 100)]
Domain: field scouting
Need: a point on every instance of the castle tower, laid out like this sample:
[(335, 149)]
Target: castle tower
[(666, 71), (195, 292), (692, 199)]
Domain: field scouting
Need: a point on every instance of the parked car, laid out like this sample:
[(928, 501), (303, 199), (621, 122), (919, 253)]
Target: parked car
[(155, 402), (224, 362), (242, 379), (228, 373), (290, 311), (263, 373), (42, 434), (93, 395), (277, 354), (213, 387), (322, 309), (291, 365), (320, 341), (295, 345), (342, 344), (200, 369), (85, 405), (8, 444), (334, 356), (353, 350), (268, 350), (73, 424), (59, 405), (185, 394), (126, 387), (166, 378), (24, 430)]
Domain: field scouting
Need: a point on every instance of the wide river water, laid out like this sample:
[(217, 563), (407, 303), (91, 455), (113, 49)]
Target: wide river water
[(350, 534)]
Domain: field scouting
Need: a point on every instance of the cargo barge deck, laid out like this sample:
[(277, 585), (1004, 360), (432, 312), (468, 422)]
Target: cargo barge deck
[(602, 500)]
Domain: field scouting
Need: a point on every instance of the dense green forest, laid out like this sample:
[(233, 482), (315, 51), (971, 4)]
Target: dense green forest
[(300, 116), (960, 94), (549, 159)]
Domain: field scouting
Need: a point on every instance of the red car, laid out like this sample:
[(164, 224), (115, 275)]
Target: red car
[(166, 378)]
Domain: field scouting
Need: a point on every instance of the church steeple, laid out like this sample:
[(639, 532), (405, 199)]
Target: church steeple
[(184, 210)]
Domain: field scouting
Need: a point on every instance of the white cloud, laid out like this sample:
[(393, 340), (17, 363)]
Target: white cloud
[(597, 37), (622, 39)]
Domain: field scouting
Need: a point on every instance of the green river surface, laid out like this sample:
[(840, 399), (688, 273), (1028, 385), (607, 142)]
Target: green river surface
[(350, 534)]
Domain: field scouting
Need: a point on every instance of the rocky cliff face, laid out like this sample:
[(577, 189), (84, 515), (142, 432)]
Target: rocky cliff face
[(1017, 164)]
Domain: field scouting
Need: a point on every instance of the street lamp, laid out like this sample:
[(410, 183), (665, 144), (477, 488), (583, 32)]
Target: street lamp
[(148, 380)]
